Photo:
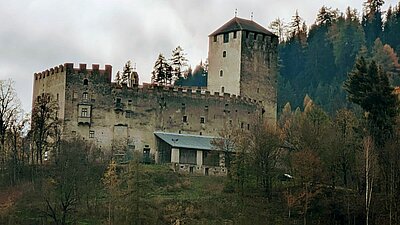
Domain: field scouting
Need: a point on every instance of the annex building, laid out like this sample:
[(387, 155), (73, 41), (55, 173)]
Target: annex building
[(175, 125)]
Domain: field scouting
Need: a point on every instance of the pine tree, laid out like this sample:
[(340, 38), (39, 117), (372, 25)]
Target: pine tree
[(368, 86), (372, 20), (178, 63), (347, 37), (392, 28), (127, 73), (279, 28), (118, 78), (161, 71), (326, 16)]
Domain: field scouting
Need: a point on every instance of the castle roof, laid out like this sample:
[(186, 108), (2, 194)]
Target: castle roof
[(187, 140), (236, 24)]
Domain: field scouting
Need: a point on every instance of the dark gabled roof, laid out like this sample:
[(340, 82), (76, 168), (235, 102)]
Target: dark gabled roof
[(187, 140), (237, 23)]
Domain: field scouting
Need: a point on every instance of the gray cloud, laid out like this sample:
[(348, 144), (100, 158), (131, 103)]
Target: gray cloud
[(39, 34)]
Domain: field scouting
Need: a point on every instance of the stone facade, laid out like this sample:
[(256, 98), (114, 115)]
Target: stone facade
[(119, 117), (243, 61)]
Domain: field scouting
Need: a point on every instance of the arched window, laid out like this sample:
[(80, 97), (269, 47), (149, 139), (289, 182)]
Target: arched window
[(85, 82), (224, 54), (222, 89)]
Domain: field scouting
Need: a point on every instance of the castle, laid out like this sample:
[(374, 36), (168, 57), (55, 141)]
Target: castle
[(241, 85)]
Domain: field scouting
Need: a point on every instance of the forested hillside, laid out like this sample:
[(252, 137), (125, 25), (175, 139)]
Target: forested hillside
[(315, 60)]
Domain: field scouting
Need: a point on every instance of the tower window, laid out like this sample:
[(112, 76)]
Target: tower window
[(85, 95), (222, 89), (215, 38), (221, 73), (224, 54), (85, 82), (84, 112), (226, 37), (202, 120)]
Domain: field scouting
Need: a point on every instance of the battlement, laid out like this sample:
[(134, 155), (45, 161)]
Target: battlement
[(186, 92), (68, 68)]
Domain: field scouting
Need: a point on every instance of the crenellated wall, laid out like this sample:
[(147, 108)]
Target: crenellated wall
[(116, 117)]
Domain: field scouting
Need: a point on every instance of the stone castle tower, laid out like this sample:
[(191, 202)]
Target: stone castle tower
[(243, 61)]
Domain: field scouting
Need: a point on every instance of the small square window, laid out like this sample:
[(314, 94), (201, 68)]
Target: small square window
[(202, 120), (184, 119), (129, 102), (118, 101), (206, 108), (91, 134)]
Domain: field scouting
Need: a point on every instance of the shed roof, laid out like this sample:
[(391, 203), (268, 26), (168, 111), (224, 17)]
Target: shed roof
[(187, 140), (237, 23)]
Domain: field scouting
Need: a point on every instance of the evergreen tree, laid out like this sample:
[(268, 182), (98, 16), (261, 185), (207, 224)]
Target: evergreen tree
[(368, 86), (279, 28), (127, 73), (326, 16), (385, 56), (347, 37), (392, 28), (118, 78), (162, 71), (372, 20), (178, 62)]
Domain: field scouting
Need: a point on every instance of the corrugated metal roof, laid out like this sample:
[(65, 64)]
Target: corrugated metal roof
[(237, 23), (187, 140)]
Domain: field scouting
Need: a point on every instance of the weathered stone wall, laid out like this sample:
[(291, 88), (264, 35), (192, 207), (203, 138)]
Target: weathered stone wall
[(258, 78), (51, 81), (120, 117), (229, 65)]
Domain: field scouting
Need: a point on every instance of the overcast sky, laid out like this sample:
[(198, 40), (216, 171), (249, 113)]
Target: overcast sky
[(38, 34)]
